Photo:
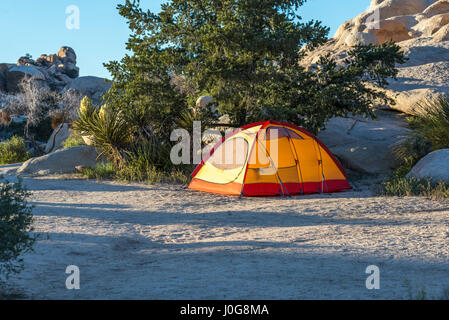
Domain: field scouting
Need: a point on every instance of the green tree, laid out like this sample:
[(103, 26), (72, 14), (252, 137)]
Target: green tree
[(246, 54), (15, 224)]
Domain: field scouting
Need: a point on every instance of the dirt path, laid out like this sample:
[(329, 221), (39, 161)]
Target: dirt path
[(165, 242)]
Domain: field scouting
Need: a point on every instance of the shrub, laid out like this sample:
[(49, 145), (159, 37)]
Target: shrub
[(430, 132), (39, 104), (150, 162), (409, 151), (402, 187), (74, 140), (13, 150), (432, 121), (101, 171), (151, 175), (15, 225), (132, 157)]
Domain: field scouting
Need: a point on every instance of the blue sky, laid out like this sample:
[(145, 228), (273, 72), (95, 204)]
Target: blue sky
[(37, 27)]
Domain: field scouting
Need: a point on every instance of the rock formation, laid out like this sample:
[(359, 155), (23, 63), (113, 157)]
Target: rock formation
[(419, 27), (54, 71)]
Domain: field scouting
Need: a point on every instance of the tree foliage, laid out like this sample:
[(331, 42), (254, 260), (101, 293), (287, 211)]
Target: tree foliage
[(15, 224), (246, 54)]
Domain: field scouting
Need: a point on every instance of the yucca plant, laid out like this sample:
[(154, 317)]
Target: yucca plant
[(83, 122), (430, 132), (111, 134), (108, 130), (432, 121), (409, 151)]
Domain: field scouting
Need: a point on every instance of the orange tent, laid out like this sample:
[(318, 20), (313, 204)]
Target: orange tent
[(268, 159)]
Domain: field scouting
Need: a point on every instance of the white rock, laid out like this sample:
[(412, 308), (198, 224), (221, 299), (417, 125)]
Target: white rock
[(57, 138), (28, 70), (361, 38), (365, 145), (61, 161), (434, 166), (438, 7), (204, 101)]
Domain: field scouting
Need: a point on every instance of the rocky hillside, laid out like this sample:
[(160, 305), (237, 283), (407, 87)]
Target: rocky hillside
[(55, 71), (420, 28)]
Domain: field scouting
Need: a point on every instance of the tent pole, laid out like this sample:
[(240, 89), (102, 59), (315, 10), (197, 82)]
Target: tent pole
[(297, 160), (323, 178)]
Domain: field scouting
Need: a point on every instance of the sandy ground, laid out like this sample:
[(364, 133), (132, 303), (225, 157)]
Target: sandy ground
[(166, 242)]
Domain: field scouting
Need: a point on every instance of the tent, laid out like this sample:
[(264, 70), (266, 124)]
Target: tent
[(269, 159)]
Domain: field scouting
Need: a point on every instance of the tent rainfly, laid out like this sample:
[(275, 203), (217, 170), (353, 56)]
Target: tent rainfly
[(269, 159)]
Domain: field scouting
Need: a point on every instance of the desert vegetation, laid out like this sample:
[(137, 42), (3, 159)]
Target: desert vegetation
[(15, 226), (430, 132), (196, 48), (38, 111), (13, 150)]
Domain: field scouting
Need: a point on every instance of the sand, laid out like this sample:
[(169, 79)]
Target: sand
[(134, 241)]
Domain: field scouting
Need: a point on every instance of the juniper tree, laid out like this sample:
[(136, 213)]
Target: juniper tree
[(16, 221), (246, 54)]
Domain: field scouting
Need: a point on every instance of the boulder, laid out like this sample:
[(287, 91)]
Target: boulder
[(25, 61), (207, 101), (394, 8), (391, 30), (16, 74), (359, 38), (67, 55), (2, 81), (437, 7), (434, 166), (428, 27), (442, 34), (204, 101), (48, 60), (27, 71), (419, 27), (61, 161), (5, 118), (58, 137), (93, 87), (364, 145), (71, 70), (4, 67)]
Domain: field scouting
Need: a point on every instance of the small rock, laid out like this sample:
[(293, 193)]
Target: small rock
[(80, 168)]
